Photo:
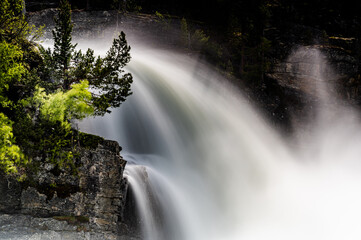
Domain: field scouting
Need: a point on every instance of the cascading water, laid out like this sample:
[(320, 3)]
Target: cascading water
[(203, 165)]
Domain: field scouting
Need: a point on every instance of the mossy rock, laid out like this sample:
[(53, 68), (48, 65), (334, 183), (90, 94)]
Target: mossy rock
[(89, 141)]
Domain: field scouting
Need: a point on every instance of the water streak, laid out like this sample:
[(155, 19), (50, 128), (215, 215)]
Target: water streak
[(216, 170)]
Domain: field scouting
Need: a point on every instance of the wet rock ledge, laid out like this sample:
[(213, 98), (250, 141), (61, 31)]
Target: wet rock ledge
[(61, 205)]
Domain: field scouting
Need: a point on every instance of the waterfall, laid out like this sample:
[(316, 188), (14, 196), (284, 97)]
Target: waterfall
[(204, 165)]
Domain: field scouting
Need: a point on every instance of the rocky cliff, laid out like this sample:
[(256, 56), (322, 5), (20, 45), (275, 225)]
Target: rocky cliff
[(303, 56), (305, 66), (61, 205), (104, 25)]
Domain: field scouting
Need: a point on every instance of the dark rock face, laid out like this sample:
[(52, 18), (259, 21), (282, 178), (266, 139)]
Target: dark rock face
[(10, 190), (303, 56), (97, 195), (307, 66), (103, 26), (34, 5)]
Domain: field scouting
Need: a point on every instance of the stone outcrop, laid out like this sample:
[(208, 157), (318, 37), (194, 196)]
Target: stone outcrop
[(302, 57), (91, 201)]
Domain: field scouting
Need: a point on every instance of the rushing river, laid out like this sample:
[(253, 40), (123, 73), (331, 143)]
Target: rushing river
[(204, 165)]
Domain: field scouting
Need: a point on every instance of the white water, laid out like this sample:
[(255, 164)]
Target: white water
[(217, 171)]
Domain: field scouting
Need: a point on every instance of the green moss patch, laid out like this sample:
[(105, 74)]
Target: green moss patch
[(89, 141)]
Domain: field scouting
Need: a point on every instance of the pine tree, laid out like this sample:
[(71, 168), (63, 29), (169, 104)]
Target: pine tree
[(63, 48), (65, 66)]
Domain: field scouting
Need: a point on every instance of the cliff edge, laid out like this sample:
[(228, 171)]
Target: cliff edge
[(62, 205)]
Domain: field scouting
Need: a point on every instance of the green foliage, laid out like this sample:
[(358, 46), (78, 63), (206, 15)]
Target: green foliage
[(11, 157), (63, 48), (42, 90), (11, 71), (164, 20), (196, 39), (126, 6), (14, 28), (18, 76), (56, 147), (61, 94), (12, 21), (132, 6), (199, 38), (44, 141), (50, 136), (65, 66), (63, 106), (88, 140), (160, 16), (111, 86)]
